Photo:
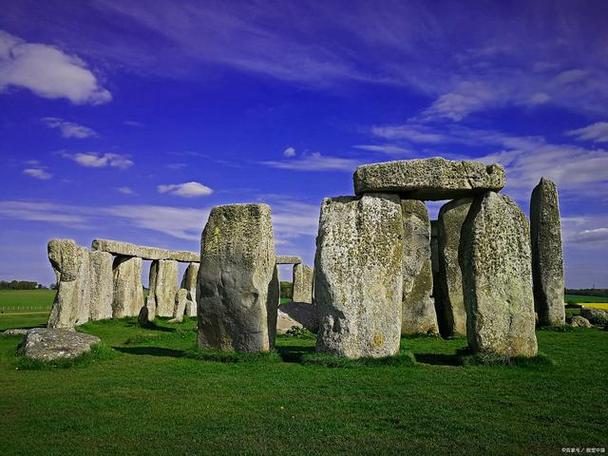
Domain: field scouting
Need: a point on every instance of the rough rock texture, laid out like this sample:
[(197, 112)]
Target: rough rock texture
[(285, 259), (595, 316), (146, 253), (71, 265), (359, 276), (189, 283), (419, 315), (236, 271), (429, 179), (52, 344), (181, 300), (15, 332), (302, 283), (298, 314), (453, 314), (128, 290), (150, 309), (547, 255), (497, 278), (101, 283), (580, 322), (163, 286)]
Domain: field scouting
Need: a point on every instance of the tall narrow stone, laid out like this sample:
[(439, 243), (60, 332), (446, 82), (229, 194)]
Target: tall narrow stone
[(547, 255), (419, 315), (359, 276), (71, 265), (181, 300), (189, 283), (236, 298), (302, 283), (128, 290), (101, 284), (163, 286), (497, 278), (453, 314)]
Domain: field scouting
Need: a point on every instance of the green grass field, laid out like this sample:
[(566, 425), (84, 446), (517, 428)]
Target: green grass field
[(576, 299)]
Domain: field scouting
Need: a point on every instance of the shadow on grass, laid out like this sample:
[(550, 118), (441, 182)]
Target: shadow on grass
[(151, 351), (294, 353), (439, 359), (403, 359)]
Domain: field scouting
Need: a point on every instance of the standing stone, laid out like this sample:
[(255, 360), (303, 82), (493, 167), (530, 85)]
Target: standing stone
[(163, 286), (189, 283), (128, 290), (453, 314), (274, 299), (497, 278), (359, 276), (181, 299), (235, 275), (419, 315), (101, 285), (302, 283), (547, 256), (71, 265)]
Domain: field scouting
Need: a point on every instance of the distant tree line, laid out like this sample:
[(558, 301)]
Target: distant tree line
[(286, 289), (20, 285), (588, 291)]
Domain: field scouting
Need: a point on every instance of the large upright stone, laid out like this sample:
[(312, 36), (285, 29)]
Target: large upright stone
[(128, 290), (71, 265), (101, 285), (302, 283), (236, 273), (163, 286), (547, 256), (452, 312), (189, 283), (359, 276), (497, 278), (419, 315), (429, 179)]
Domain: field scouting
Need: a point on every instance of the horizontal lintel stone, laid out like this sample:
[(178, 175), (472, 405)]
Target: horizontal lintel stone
[(146, 253)]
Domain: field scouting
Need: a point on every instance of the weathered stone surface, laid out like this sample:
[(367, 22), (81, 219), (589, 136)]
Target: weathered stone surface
[(150, 309), (189, 283), (453, 314), (163, 286), (595, 316), (298, 314), (128, 290), (71, 265), (429, 179), (101, 284), (285, 259), (547, 255), (51, 344), (181, 299), (146, 253), (419, 315), (302, 283), (15, 332), (236, 271), (358, 276), (497, 278), (580, 322)]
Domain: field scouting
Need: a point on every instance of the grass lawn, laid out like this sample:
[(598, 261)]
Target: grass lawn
[(577, 299), (149, 398), (12, 301)]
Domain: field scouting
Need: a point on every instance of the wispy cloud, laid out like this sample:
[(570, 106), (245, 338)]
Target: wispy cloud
[(314, 162), (38, 173), (389, 149), (99, 160), (597, 132), (289, 152), (125, 190), (69, 129), (186, 190), (48, 72)]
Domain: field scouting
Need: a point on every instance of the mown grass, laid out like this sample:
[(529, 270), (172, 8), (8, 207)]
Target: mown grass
[(153, 397), (576, 299), (12, 301)]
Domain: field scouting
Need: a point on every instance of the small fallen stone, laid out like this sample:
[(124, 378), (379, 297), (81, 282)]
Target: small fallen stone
[(45, 344)]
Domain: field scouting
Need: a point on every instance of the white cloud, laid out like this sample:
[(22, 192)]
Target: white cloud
[(315, 162), (596, 235), (69, 129), (289, 152), (185, 190), (97, 160), (597, 132), (468, 97), (126, 190), (38, 173), (36, 211), (48, 72), (389, 149)]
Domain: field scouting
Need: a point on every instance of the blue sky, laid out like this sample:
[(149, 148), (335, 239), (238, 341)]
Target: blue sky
[(130, 120)]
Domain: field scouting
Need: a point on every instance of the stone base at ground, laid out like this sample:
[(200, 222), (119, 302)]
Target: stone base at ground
[(580, 322), (298, 314), (53, 344)]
